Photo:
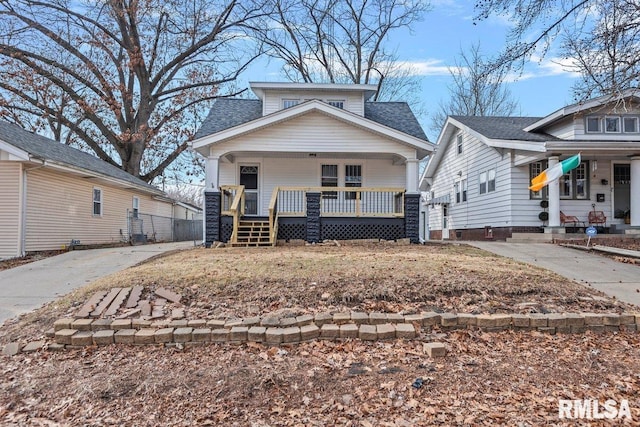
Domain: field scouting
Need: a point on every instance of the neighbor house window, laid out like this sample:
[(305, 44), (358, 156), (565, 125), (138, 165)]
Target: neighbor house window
[(460, 190), (630, 124), (483, 182), (459, 144), (593, 124), (97, 202), (575, 184), (536, 169), (352, 178), (488, 181), (612, 124), (329, 179), (288, 103), (338, 103), (135, 207), (491, 180)]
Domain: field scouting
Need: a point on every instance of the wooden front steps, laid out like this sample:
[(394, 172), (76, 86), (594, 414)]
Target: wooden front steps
[(252, 233)]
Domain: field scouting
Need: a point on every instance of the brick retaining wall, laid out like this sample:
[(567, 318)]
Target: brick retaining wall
[(71, 333)]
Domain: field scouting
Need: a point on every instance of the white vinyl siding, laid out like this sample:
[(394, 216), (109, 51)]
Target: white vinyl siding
[(274, 100), (313, 133), (476, 158), (59, 208), (10, 209)]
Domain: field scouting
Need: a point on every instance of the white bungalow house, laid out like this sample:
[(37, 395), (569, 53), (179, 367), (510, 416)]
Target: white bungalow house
[(477, 181), (310, 162), (53, 196)]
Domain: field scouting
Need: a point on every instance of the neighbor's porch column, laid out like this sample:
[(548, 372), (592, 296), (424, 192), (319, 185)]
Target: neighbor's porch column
[(554, 197), (635, 191), (212, 203)]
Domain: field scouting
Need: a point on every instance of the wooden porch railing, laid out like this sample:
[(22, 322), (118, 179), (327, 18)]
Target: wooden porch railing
[(339, 201), (233, 205)]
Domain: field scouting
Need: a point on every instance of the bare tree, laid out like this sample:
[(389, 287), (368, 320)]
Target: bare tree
[(121, 77), (477, 89), (601, 37), (341, 41)]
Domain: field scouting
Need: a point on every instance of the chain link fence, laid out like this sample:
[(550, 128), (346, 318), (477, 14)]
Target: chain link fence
[(144, 228)]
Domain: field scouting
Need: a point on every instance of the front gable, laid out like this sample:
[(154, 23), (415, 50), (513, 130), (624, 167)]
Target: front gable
[(313, 126)]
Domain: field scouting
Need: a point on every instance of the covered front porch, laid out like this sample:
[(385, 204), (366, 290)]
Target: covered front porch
[(612, 202), (315, 214)]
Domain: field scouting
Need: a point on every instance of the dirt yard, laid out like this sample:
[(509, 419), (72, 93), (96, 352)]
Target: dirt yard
[(506, 378)]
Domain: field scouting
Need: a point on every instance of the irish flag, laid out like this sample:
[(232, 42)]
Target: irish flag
[(554, 172)]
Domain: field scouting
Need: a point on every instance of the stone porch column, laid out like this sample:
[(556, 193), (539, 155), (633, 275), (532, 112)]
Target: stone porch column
[(412, 216), (212, 203), (313, 217), (554, 197), (635, 191)]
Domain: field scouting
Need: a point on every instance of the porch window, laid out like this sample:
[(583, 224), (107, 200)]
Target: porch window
[(97, 202), (575, 184), (288, 103), (352, 178), (329, 179), (536, 169)]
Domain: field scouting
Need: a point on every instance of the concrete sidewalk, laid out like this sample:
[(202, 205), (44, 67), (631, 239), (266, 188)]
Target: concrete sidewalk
[(25, 288), (611, 277)]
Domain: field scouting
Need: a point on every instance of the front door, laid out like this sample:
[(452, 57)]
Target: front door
[(621, 189), (445, 221), (249, 178)]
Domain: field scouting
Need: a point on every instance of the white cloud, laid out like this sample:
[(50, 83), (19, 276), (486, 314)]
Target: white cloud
[(547, 67), (428, 67)]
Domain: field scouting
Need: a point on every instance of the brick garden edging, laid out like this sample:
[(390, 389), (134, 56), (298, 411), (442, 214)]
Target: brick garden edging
[(70, 333)]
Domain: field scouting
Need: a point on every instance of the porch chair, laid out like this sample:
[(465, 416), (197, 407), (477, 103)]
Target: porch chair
[(570, 219), (597, 217)]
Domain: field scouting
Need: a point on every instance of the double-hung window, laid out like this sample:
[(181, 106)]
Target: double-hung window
[(97, 202), (536, 169), (352, 178), (575, 183), (329, 179), (460, 190), (488, 181), (459, 144)]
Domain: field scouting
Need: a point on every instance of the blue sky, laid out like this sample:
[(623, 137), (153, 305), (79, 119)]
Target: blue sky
[(544, 87)]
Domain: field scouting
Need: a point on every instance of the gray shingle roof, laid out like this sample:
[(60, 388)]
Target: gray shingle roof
[(396, 115), (507, 128), (229, 112), (48, 149)]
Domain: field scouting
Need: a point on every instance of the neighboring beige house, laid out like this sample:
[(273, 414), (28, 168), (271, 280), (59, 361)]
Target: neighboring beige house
[(477, 182), (52, 195), (308, 161)]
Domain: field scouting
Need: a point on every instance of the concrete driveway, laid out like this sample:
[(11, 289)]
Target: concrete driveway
[(611, 277), (25, 288)]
